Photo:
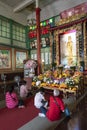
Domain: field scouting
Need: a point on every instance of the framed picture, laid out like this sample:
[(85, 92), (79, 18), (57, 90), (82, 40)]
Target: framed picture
[(5, 58), (20, 56), (68, 48)]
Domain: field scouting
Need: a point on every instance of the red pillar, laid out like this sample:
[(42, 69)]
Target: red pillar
[(38, 40)]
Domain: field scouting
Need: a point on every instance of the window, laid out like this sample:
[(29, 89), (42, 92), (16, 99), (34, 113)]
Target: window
[(19, 33), (4, 28)]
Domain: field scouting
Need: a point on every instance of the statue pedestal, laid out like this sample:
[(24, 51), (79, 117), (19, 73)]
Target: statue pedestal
[(29, 82)]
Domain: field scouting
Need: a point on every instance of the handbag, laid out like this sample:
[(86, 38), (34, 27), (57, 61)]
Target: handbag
[(56, 103), (66, 111)]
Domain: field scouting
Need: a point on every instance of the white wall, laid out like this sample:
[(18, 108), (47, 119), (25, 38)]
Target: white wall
[(7, 11)]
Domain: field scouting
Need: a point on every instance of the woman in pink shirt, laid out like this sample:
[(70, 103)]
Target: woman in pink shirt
[(23, 90), (11, 98)]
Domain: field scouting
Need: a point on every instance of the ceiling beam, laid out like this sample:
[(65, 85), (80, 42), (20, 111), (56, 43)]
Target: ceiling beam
[(23, 5)]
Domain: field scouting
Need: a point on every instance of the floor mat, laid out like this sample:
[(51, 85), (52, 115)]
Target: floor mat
[(12, 119)]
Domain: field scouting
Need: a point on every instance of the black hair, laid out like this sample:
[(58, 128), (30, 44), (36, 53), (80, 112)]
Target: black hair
[(42, 89), (24, 82), (11, 89)]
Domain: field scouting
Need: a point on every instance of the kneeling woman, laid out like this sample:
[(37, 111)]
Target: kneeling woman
[(56, 105), (12, 100)]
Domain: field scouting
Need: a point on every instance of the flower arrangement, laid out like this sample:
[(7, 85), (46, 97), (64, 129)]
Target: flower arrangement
[(62, 81), (48, 73), (78, 73), (55, 73), (40, 77), (35, 78), (70, 82)]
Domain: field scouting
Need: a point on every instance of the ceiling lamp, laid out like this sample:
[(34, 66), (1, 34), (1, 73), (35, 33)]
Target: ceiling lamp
[(31, 22)]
